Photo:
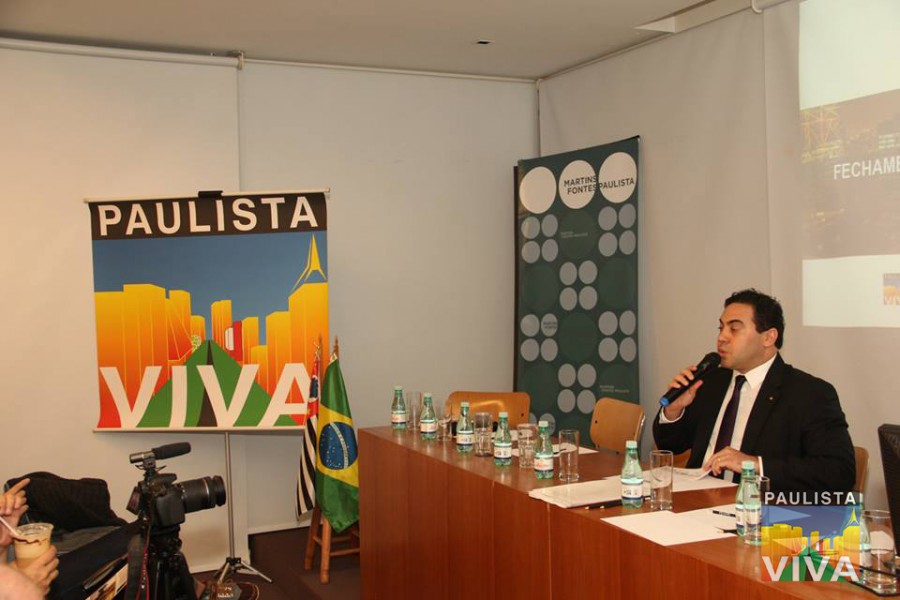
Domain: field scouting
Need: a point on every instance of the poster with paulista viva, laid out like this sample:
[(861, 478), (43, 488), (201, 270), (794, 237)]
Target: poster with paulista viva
[(208, 309)]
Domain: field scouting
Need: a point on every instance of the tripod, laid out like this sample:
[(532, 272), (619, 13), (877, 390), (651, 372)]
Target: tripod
[(233, 564), (168, 576)]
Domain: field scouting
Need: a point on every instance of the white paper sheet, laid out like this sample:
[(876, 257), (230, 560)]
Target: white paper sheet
[(707, 516), (667, 528), (573, 495)]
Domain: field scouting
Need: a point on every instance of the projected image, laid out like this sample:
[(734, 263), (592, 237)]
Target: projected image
[(850, 126)]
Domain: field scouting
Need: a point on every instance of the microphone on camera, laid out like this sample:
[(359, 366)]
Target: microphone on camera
[(161, 452), (709, 362)]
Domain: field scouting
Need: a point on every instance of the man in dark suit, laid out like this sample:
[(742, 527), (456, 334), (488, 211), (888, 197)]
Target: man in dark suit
[(756, 407)]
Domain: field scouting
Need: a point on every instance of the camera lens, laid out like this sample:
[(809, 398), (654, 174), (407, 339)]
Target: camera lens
[(203, 493)]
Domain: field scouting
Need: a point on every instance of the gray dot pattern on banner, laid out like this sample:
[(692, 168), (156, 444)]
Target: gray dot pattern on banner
[(579, 280)]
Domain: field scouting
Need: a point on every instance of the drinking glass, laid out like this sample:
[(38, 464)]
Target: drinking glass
[(413, 410), (526, 436), (442, 413), (877, 551), (483, 431), (661, 462), (568, 454)]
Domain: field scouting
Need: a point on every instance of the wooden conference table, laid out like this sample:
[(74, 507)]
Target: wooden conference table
[(436, 524)]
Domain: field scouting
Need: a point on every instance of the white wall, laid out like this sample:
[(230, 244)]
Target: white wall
[(420, 241), (421, 223), (697, 101), (76, 127)]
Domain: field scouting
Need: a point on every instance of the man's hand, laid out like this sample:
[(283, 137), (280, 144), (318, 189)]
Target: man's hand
[(43, 570), (685, 378), (12, 507), (730, 459)]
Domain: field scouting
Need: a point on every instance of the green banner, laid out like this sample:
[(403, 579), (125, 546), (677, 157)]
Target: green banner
[(576, 282)]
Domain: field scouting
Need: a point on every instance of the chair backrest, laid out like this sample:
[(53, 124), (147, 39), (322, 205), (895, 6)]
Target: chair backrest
[(862, 468), (889, 442), (517, 404), (615, 422)]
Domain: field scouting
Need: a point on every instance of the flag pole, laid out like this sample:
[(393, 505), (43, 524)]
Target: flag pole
[(337, 348)]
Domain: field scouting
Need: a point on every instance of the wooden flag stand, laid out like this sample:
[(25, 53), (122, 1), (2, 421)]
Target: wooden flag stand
[(326, 539)]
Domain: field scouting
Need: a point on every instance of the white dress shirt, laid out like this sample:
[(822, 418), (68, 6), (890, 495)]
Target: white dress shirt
[(749, 392)]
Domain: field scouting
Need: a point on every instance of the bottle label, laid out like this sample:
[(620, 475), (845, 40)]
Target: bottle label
[(398, 417), (428, 426), (465, 438), (633, 491), (543, 463), (503, 451)]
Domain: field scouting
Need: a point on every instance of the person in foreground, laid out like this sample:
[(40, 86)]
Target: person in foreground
[(788, 422), (43, 570)]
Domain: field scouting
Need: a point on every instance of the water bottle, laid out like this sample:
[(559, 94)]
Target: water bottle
[(752, 507), (428, 420), (465, 434), (503, 442), (632, 477), (543, 453), (398, 409), (739, 497)]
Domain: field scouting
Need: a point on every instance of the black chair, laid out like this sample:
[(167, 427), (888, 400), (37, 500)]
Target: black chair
[(889, 440)]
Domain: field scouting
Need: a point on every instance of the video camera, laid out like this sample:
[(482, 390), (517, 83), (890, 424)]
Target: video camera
[(156, 567), (166, 502)]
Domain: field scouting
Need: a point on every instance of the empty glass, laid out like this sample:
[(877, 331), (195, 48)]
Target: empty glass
[(568, 454), (443, 415), (526, 436), (877, 551), (483, 431), (661, 480), (413, 410)]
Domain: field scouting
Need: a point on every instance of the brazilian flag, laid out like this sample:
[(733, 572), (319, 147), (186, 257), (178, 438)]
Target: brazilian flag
[(337, 469)]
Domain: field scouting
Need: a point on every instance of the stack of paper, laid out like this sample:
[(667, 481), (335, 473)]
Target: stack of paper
[(579, 494)]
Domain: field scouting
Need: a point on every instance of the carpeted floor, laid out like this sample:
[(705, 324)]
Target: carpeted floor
[(279, 555)]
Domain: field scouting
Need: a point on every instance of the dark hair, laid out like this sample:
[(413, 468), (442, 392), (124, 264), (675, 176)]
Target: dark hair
[(767, 313)]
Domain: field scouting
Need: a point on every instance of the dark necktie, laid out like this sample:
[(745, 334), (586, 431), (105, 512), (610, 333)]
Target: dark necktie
[(726, 429)]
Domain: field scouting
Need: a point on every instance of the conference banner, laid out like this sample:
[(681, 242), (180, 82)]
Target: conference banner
[(576, 281), (208, 309)]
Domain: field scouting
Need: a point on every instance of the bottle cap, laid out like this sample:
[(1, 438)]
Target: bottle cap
[(426, 395), (748, 465), (464, 405), (631, 444), (543, 424), (504, 414), (397, 388)]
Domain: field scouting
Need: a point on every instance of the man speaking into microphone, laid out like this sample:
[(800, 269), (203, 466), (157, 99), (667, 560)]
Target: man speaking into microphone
[(756, 407)]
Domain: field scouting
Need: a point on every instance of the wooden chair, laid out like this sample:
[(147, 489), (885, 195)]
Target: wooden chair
[(614, 422), (679, 461), (325, 541), (862, 468), (517, 404)]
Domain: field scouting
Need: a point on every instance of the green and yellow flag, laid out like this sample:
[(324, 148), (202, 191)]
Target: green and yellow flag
[(337, 472)]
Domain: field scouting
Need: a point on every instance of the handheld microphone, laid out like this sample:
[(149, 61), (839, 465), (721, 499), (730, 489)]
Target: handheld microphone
[(709, 362)]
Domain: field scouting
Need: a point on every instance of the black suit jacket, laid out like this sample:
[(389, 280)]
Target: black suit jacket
[(796, 426)]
